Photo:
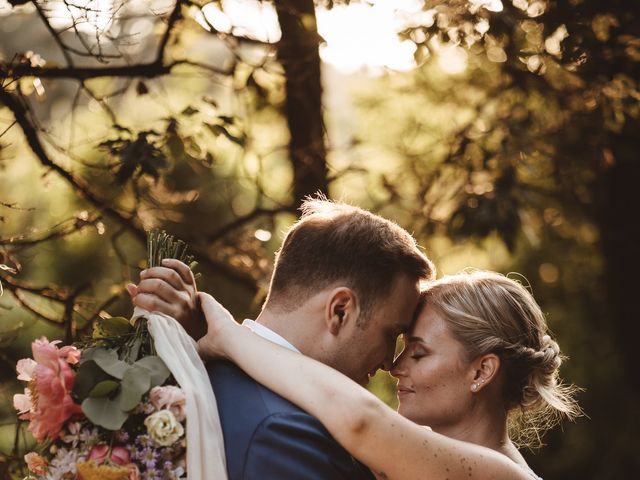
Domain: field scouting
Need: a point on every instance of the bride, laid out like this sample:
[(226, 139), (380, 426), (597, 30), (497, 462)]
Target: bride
[(477, 360)]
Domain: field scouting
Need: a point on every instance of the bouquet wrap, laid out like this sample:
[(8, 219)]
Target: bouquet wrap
[(205, 452)]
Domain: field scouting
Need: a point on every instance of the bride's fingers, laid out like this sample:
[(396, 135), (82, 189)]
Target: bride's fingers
[(213, 311), (169, 275)]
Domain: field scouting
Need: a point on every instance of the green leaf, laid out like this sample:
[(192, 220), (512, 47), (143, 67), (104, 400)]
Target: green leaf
[(104, 412), (89, 375), (157, 369), (136, 382), (108, 361), (7, 337), (135, 350), (114, 327), (220, 130), (104, 388), (189, 111)]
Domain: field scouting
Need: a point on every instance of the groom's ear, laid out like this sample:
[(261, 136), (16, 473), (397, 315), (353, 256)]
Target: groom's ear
[(341, 308)]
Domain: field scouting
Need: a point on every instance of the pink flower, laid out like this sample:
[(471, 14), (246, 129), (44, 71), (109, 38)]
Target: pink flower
[(49, 390), (99, 453), (119, 455), (71, 354), (26, 369), (171, 398), (35, 463), (22, 402)]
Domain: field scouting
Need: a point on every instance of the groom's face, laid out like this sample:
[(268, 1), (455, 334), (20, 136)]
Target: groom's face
[(371, 346)]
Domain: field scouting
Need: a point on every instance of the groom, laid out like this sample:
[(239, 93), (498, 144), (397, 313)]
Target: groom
[(344, 286)]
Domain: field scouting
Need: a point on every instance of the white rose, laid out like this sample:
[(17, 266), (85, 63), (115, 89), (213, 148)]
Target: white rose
[(163, 427)]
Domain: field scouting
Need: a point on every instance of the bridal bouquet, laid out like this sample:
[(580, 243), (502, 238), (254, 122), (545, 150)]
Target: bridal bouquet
[(107, 407)]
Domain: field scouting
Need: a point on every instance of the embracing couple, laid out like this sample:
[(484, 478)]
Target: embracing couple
[(346, 284)]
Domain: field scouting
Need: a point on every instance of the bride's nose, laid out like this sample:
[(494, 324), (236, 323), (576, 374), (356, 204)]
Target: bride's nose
[(398, 367)]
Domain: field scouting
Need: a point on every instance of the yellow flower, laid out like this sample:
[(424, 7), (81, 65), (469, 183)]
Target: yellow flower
[(92, 471)]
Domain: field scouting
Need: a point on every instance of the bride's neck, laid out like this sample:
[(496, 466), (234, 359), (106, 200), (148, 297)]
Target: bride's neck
[(487, 427), (484, 425)]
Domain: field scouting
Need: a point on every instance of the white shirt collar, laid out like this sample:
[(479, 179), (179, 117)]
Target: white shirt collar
[(267, 333)]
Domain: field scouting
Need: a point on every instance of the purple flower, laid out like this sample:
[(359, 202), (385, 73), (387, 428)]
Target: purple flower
[(152, 474), (144, 440), (148, 457)]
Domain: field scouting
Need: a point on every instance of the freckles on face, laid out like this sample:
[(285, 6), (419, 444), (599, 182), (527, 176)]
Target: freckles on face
[(432, 373)]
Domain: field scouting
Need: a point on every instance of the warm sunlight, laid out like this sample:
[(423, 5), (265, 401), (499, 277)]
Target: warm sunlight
[(86, 16), (358, 36)]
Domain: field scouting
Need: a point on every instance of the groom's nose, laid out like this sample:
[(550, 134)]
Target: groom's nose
[(387, 362), (397, 369)]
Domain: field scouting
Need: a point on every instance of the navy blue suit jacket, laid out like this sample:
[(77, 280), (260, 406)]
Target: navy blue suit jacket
[(268, 438)]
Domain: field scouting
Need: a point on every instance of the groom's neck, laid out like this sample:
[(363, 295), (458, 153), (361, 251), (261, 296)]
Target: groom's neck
[(289, 325)]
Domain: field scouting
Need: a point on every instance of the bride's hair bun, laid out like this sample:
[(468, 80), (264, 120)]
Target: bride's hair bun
[(491, 313)]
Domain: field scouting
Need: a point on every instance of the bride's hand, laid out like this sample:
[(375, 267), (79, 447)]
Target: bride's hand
[(220, 325)]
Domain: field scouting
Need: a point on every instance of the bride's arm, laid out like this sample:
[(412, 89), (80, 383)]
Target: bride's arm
[(389, 444)]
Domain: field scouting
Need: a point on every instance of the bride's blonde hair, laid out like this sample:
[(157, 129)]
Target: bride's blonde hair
[(490, 313)]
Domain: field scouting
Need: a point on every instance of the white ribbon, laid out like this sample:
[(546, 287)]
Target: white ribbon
[(205, 444)]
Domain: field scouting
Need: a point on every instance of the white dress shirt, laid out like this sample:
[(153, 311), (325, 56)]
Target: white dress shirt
[(268, 334)]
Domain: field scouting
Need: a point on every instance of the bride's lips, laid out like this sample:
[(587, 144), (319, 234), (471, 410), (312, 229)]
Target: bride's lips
[(403, 390)]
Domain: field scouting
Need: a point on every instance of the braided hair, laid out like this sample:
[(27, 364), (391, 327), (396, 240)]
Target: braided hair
[(491, 313)]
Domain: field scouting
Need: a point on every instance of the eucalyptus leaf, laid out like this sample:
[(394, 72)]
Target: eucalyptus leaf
[(109, 362), (135, 350), (89, 375), (7, 337), (156, 367), (104, 412), (104, 388), (136, 382)]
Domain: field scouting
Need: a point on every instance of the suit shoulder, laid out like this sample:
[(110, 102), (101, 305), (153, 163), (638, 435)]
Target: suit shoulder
[(235, 388)]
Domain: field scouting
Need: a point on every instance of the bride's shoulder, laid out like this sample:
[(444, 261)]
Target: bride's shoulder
[(529, 471)]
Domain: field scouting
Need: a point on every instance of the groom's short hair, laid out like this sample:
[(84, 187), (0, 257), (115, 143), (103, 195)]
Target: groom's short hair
[(336, 242)]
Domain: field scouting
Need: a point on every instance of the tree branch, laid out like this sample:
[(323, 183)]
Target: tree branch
[(127, 220), (174, 17), (145, 70)]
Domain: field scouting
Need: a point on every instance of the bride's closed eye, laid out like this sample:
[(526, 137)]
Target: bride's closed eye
[(418, 354)]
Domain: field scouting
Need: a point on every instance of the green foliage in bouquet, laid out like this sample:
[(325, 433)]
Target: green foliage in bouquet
[(118, 364), (106, 407)]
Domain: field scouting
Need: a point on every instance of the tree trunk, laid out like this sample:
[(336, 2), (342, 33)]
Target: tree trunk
[(298, 53)]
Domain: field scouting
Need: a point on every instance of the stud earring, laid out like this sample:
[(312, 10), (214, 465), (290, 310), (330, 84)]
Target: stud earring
[(474, 387)]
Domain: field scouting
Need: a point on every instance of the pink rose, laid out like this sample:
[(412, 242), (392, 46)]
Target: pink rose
[(171, 398), (119, 455), (35, 463), (99, 453)]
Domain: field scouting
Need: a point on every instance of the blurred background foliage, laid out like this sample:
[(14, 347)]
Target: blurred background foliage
[(502, 134)]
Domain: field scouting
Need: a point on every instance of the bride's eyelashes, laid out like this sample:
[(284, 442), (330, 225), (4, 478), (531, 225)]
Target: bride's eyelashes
[(418, 355)]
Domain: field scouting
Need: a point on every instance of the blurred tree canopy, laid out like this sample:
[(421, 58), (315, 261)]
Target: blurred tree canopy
[(120, 116)]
